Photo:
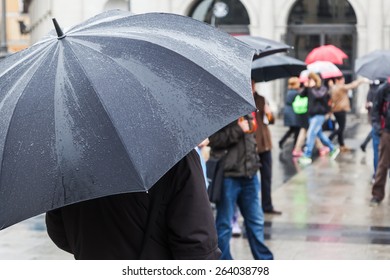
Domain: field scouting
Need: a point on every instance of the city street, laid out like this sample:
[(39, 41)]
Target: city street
[(326, 212)]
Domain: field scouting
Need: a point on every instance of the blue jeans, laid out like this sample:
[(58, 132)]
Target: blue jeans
[(375, 146), (315, 130), (244, 192)]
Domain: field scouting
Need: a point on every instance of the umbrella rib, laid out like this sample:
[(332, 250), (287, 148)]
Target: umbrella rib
[(109, 116)]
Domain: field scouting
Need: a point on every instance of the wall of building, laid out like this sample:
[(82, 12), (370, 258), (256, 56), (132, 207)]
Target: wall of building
[(15, 41)]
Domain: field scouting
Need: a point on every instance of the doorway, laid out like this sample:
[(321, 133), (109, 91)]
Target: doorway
[(313, 23), (304, 38)]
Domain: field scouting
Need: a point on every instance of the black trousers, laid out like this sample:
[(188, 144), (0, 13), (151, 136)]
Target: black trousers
[(341, 118), (292, 130), (266, 180)]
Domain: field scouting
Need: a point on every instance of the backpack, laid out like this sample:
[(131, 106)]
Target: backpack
[(300, 104)]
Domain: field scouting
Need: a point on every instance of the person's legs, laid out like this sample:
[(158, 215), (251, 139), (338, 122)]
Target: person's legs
[(297, 151), (225, 211), (341, 118), (285, 137), (296, 131), (378, 189), (236, 229), (266, 180), (250, 207), (365, 142), (314, 128), (375, 148), (324, 139)]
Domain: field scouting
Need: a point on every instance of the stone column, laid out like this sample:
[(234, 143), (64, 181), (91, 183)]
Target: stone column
[(375, 25)]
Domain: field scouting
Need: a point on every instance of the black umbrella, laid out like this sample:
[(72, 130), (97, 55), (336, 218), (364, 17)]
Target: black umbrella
[(111, 105), (263, 46), (374, 65), (276, 66)]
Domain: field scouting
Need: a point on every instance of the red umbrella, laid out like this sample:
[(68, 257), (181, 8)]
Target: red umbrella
[(326, 53)]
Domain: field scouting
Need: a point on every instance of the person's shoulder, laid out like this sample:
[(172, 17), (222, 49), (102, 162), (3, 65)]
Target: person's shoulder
[(384, 88)]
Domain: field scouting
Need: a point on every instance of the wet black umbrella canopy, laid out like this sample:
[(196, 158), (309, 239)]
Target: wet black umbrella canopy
[(111, 105)]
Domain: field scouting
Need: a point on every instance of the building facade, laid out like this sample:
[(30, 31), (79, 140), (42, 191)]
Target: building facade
[(356, 26), (11, 39)]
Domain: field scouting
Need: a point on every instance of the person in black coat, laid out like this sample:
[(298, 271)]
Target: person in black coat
[(122, 226), (381, 125), (291, 119)]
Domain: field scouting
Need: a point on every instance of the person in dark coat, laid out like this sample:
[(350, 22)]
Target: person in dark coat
[(114, 227), (381, 125), (236, 144), (290, 118), (373, 134), (264, 149)]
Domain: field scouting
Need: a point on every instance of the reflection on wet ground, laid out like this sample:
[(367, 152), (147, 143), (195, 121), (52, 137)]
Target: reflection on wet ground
[(333, 233)]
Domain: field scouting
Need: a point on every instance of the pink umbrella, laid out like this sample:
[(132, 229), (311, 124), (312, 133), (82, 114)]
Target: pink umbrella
[(326, 53), (325, 68)]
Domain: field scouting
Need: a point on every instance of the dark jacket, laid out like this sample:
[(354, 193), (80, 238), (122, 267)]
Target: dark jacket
[(290, 118), (263, 134), (319, 100), (113, 227), (239, 149), (381, 109)]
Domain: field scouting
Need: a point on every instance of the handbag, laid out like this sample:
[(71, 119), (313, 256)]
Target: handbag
[(215, 176), (300, 104)]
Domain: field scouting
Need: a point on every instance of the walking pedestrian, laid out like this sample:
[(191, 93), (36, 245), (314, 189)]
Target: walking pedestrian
[(264, 147), (173, 220), (381, 124), (318, 107), (373, 134), (341, 105), (236, 143), (290, 118), (302, 118)]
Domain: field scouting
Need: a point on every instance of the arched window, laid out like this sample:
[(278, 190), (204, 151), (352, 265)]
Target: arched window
[(322, 11), (116, 4), (229, 15)]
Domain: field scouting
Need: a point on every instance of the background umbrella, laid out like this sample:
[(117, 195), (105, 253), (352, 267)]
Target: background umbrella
[(326, 53), (275, 67), (374, 65), (325, 68), (263, 46), (111, 105)]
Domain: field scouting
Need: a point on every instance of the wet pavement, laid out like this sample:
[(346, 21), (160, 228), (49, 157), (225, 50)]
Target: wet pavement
[(326, 212)]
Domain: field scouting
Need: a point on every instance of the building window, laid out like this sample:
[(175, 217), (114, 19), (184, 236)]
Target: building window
[(322, 11), (232, 18)]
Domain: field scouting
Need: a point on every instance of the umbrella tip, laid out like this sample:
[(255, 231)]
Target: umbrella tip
[(60, 34)]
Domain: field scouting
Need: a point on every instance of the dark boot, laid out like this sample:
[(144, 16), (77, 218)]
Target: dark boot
[(365, 142)]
